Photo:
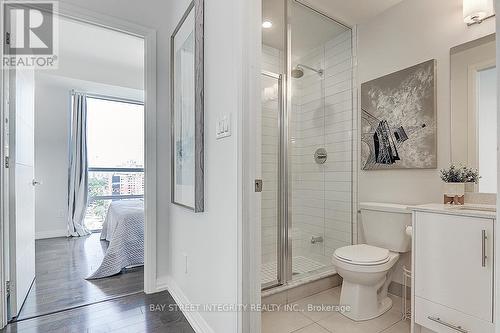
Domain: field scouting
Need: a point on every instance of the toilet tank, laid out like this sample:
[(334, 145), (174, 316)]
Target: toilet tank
[(384, 225)]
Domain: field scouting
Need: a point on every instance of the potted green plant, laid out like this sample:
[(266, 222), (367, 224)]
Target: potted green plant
[(455, 180)]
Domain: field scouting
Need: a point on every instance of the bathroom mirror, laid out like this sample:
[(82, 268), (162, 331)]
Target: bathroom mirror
[(473, 109)]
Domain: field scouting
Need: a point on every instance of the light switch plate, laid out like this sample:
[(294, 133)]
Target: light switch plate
[(223, 126)]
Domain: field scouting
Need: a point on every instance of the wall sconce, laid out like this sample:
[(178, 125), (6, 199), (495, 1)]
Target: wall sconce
[(476, 11)]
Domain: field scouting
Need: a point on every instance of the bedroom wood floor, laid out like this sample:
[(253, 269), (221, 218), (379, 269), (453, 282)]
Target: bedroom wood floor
[(61, 267), (129, 314)]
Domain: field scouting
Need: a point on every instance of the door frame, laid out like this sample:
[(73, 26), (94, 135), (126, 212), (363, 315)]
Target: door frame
[(496, 238), (150, 167), (282, 244), (248, 70), (472, 113), (3, 226)]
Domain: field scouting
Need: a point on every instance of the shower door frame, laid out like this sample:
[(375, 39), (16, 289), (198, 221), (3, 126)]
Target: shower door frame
[(282, 188)]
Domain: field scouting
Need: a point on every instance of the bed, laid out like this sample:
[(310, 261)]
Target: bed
[(123, 228)]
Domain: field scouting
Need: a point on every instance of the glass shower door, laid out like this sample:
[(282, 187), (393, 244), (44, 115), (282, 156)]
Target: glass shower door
[(307, 158), (271, 271), (320, 120)]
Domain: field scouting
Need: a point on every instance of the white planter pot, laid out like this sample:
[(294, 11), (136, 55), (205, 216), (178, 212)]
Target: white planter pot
[(454, 189), (470, 187)]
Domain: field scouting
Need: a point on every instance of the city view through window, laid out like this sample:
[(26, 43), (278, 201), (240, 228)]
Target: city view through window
[(115, 151)]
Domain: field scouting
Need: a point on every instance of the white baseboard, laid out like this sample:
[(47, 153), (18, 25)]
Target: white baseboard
[(162, 283), (195, 319), (51, 234)]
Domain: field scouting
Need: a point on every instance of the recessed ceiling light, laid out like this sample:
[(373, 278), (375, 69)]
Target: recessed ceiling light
[(267, 24)]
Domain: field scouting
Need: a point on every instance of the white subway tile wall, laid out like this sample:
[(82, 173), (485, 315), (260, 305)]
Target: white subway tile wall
[(323, 117), (271, 62)]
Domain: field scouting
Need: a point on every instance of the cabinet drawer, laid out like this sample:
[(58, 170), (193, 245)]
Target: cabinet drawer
[(425, 310)]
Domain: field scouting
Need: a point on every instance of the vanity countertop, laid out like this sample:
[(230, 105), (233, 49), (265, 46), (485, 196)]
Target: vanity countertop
[(473, 210)]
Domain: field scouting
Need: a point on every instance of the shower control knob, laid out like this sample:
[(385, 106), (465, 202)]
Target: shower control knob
[(320, 155)]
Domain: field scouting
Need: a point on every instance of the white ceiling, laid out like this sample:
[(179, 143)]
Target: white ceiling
[(273, 10), (319, 29), (352, 12)]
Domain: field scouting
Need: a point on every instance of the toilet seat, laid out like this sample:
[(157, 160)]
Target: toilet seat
[(363, 255)]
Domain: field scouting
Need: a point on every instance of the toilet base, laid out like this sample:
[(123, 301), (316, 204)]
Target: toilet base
[(364, 302), (384, 306)]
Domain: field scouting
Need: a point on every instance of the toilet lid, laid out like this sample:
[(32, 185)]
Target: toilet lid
[(363, 254)]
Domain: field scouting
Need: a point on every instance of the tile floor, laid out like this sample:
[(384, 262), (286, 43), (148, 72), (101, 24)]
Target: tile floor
[(300, 265), (305, 321)]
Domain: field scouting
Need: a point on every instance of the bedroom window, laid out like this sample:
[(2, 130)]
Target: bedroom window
[(115, 143)]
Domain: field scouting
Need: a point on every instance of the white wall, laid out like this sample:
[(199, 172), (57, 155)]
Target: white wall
[(210, 239), (407, 34), (52, 111)]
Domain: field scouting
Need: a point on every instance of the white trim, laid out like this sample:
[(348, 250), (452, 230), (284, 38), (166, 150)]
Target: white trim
[(249, 221), (162, 283), (51, 234), (194, 318), (472, 131), (150, 194), (472, 113), (496, 247), (3, 233), (150, 165)]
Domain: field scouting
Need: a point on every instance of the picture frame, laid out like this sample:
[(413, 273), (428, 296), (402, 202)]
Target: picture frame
[(399, 119), (187, 109)]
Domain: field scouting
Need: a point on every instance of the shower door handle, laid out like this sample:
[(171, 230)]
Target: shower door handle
[(258, 185)]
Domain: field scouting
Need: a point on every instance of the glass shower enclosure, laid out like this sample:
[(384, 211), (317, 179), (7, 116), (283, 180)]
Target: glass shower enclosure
[(307, 154)]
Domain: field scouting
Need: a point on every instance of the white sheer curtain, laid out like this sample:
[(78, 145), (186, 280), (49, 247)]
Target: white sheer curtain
[(78, 175)]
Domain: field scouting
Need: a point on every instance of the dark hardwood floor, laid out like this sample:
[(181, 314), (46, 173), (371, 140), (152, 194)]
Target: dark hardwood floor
[(63, 301), (61, 267), (131, 314)]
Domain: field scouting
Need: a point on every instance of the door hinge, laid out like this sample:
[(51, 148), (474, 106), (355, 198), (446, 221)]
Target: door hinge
[(7, 38), (7, 162), (8, 287)]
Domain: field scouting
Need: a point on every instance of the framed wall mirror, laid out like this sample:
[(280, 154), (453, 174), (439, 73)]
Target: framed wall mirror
[(474, 109), (186, 67)]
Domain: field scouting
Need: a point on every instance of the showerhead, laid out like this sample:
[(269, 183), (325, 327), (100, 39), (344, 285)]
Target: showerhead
[(298, 71)]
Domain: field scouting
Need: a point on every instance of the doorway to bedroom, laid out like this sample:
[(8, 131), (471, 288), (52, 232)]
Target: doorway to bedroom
[(78, 235)]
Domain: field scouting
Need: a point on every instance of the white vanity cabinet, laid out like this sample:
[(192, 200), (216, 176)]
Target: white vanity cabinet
[(453, 271)]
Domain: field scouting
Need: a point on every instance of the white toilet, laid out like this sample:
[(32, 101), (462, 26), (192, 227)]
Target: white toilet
[(367, 268)]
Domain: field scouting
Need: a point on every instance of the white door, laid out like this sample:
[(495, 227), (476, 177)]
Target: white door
[(22, 193)]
